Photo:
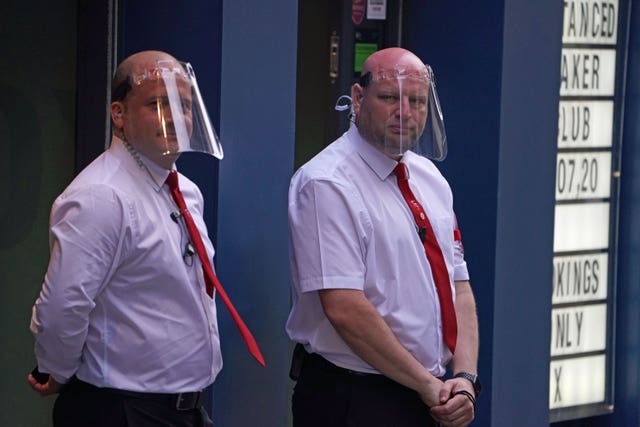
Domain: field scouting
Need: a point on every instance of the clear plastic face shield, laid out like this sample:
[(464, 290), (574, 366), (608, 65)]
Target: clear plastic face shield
[(181, 121), (400, 111)]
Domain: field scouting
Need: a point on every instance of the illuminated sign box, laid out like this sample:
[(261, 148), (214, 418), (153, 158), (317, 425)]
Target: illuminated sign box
[(581, 330)]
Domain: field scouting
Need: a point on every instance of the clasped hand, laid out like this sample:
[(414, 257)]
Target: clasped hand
[(50, 387), (455, 409)]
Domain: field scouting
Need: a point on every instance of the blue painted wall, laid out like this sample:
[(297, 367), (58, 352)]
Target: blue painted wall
[(259, 43), (526, 199), (244, 55), (496, 66), (468, 75), (627, 362)]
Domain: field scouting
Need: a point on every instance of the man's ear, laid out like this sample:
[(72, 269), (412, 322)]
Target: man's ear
[(357, 92), (116, 110)]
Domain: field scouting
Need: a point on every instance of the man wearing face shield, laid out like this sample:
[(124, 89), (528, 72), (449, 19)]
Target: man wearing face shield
[(125, 324), (382, 302)]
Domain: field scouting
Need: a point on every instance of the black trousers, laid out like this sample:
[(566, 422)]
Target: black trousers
[(81, 405), (328, 396)]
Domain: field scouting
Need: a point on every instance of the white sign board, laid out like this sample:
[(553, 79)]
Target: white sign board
[(578, 381), (580, 278), (587, 72), (590, 22), (585, 124), (579, 329), (583, 175), (582, 226)]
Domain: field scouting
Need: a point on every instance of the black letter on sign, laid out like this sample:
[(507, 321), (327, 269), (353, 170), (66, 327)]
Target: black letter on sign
[(557, 372)]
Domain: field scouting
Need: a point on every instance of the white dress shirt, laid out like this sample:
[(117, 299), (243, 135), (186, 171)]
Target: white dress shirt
[(120, 305), (352, 229)]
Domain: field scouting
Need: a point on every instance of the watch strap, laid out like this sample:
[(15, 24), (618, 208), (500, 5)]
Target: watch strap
[(475, 382)]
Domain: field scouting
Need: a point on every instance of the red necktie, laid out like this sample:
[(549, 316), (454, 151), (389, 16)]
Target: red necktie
[(209, 276), (435, 258)]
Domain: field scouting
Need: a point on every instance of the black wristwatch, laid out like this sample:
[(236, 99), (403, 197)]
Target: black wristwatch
[(475, 381)]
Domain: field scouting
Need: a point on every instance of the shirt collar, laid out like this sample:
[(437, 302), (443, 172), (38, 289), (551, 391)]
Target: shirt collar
[(378, 162), (155, 174)]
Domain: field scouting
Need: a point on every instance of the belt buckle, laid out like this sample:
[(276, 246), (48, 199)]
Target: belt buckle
[(187, 401)]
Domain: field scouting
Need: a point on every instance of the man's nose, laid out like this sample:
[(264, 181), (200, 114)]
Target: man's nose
[(164, 108), (404, 107)]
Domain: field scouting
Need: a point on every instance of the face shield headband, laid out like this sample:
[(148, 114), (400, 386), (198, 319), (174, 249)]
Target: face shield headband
[(409, 113), (183, 121)]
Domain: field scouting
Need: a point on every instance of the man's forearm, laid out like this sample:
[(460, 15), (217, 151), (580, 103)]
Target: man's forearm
[(466, 355), (367, 334)]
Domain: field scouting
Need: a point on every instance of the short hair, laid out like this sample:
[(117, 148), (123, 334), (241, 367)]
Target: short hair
[(365, 79), (120, 84)]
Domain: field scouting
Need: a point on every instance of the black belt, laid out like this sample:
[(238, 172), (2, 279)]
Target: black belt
[(179, 401), (315, 363)]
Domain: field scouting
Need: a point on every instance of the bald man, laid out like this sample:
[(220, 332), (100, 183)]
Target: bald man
[(366, 316), (123, 324)]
